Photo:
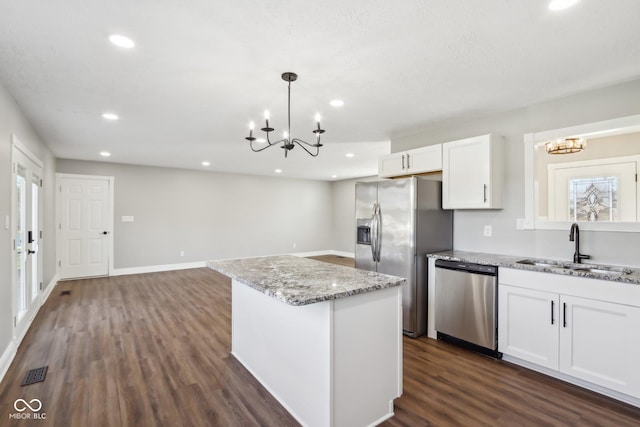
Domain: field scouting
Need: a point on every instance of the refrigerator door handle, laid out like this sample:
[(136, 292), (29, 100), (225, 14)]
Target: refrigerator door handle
[(374, 232), (378, 235)]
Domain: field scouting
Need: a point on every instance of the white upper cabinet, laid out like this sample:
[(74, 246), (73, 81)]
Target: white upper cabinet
[(420, 160), (472, 173)]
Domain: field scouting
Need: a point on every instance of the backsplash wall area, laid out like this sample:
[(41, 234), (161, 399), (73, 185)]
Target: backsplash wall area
[(604, 247)]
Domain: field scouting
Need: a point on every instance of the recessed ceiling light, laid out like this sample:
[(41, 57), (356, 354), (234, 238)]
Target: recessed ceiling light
[(336, 103), (206, 164), (121, 41), (105, 153), (334, 176), (562, 4), (110, 116), (349, 155), (278, 170)]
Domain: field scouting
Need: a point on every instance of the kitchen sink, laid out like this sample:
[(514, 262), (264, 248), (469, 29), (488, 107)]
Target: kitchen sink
[(609, 271), (585, 268), (540, 263)]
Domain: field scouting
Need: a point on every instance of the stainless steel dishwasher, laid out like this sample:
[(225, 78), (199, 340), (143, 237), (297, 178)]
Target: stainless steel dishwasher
[(466, 305)]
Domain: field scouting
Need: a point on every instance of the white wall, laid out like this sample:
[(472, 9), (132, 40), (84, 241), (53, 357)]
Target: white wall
[(605, 247), (13, 121), (210, 215)]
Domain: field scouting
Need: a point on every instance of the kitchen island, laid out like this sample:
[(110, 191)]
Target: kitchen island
[(325, 340)]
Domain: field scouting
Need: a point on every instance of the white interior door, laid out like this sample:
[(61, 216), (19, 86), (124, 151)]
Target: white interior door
[(26, 222), (84, 224)]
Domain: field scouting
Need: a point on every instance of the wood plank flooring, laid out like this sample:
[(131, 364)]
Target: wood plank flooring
[(153, 350)]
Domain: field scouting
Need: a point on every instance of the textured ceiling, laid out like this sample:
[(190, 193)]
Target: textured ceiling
[(202, 70)]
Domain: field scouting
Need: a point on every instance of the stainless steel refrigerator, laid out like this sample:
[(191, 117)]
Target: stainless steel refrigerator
[(398, 222)]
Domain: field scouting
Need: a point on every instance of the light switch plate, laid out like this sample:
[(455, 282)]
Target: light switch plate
[(6, 222), (127, 218)]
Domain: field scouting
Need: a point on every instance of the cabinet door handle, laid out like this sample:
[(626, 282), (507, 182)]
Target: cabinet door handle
[(564, 315), (403, 161), (552, 320), (485, 193), (408, 164)]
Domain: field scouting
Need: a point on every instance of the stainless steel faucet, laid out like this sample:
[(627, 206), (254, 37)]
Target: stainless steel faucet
[(574, 235)]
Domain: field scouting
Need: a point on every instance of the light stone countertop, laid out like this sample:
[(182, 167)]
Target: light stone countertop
[(300, 281), (630, 275)]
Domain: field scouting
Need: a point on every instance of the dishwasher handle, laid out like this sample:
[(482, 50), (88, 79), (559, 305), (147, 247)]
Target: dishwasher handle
[(489, 270)]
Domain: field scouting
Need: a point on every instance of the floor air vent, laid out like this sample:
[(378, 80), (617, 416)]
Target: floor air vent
[(65, 293), (35, 376)]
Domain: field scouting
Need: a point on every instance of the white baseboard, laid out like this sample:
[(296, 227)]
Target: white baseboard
[(344, 254), (52, 284), (200, 264), (157, 268), (12, 348), (313, 253), (7, 358), (327, 252)]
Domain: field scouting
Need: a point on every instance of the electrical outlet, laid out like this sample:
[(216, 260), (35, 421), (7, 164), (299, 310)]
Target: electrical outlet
[(181, 253), (6, 222), (487, 231), (520, 224), (294, 246)]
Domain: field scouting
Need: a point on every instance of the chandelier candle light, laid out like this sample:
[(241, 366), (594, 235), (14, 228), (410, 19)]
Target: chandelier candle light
[(565, 146), (287, 144)]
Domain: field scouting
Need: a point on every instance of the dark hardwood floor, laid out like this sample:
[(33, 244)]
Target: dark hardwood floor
[(153, 350)]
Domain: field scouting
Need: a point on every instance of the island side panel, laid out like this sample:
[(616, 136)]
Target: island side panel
[(287, 348), (367, 363)]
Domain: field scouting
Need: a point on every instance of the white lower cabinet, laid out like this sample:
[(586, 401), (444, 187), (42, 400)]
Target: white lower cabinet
[(599, 343), (528, 326), (575, 326)]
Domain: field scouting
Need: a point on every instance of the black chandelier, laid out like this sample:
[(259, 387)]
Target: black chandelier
[(287, 144)]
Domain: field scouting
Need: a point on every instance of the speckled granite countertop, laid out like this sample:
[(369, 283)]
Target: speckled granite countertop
[(608, 272), (301, 281)]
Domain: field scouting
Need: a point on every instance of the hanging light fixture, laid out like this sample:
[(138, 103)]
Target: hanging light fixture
[(565, 146), (287, 143)]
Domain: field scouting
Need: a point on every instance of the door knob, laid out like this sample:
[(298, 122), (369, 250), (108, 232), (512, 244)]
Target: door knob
[(105, 232), (29, 252)]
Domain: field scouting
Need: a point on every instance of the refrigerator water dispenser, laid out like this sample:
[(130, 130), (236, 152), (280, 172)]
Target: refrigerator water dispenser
[(363, 231)]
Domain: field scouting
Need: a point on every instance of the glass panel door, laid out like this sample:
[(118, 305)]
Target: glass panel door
[(33, 237), (26, 226), (21, 238)]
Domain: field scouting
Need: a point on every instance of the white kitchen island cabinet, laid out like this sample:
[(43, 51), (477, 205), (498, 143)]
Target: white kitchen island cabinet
[(324, 340)]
